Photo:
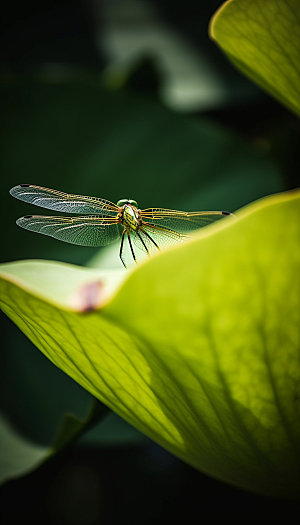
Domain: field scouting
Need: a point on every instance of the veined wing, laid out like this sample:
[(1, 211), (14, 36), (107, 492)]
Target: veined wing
[(85, 231), (149, 237), (65, 202), (181, 221)]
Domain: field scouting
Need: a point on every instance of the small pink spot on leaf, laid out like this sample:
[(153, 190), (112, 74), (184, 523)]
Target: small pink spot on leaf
[(88, 297)]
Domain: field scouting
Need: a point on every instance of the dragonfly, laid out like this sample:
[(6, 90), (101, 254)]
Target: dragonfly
[(100, 222)]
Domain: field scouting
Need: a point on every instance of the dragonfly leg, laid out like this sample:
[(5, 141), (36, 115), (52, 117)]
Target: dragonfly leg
[(141, 239), (121, 247), (131, 248), (149, 237)]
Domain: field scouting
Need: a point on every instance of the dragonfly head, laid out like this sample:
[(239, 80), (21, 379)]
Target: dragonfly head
[(123, 202)]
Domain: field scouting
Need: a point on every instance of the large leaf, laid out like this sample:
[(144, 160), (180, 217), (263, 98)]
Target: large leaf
[(198, 348), (72, 135), (262, 39)]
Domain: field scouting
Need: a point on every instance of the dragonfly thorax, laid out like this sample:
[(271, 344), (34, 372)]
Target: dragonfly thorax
[(130, 217)]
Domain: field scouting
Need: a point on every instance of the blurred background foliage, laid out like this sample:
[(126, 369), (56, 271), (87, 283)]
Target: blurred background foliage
[(124, 98)]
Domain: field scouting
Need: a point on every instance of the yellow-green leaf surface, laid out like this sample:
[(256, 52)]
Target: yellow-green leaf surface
[(262, 39), (198, 347)]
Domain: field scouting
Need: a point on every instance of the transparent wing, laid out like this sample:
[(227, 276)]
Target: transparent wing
[(142, 242), (65, 202), (141, 247), (150, 237), (85, 231), (181, 221)]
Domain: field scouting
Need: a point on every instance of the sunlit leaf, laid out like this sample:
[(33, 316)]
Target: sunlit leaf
[(195, 164), (262, 39), (198, 348)]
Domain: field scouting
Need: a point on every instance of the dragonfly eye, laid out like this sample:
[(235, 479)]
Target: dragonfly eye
[(122, 202), (134, 203)]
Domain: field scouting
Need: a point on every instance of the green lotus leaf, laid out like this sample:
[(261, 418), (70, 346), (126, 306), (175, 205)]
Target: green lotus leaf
[(262, 39), (196, 165), (198, 347)]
